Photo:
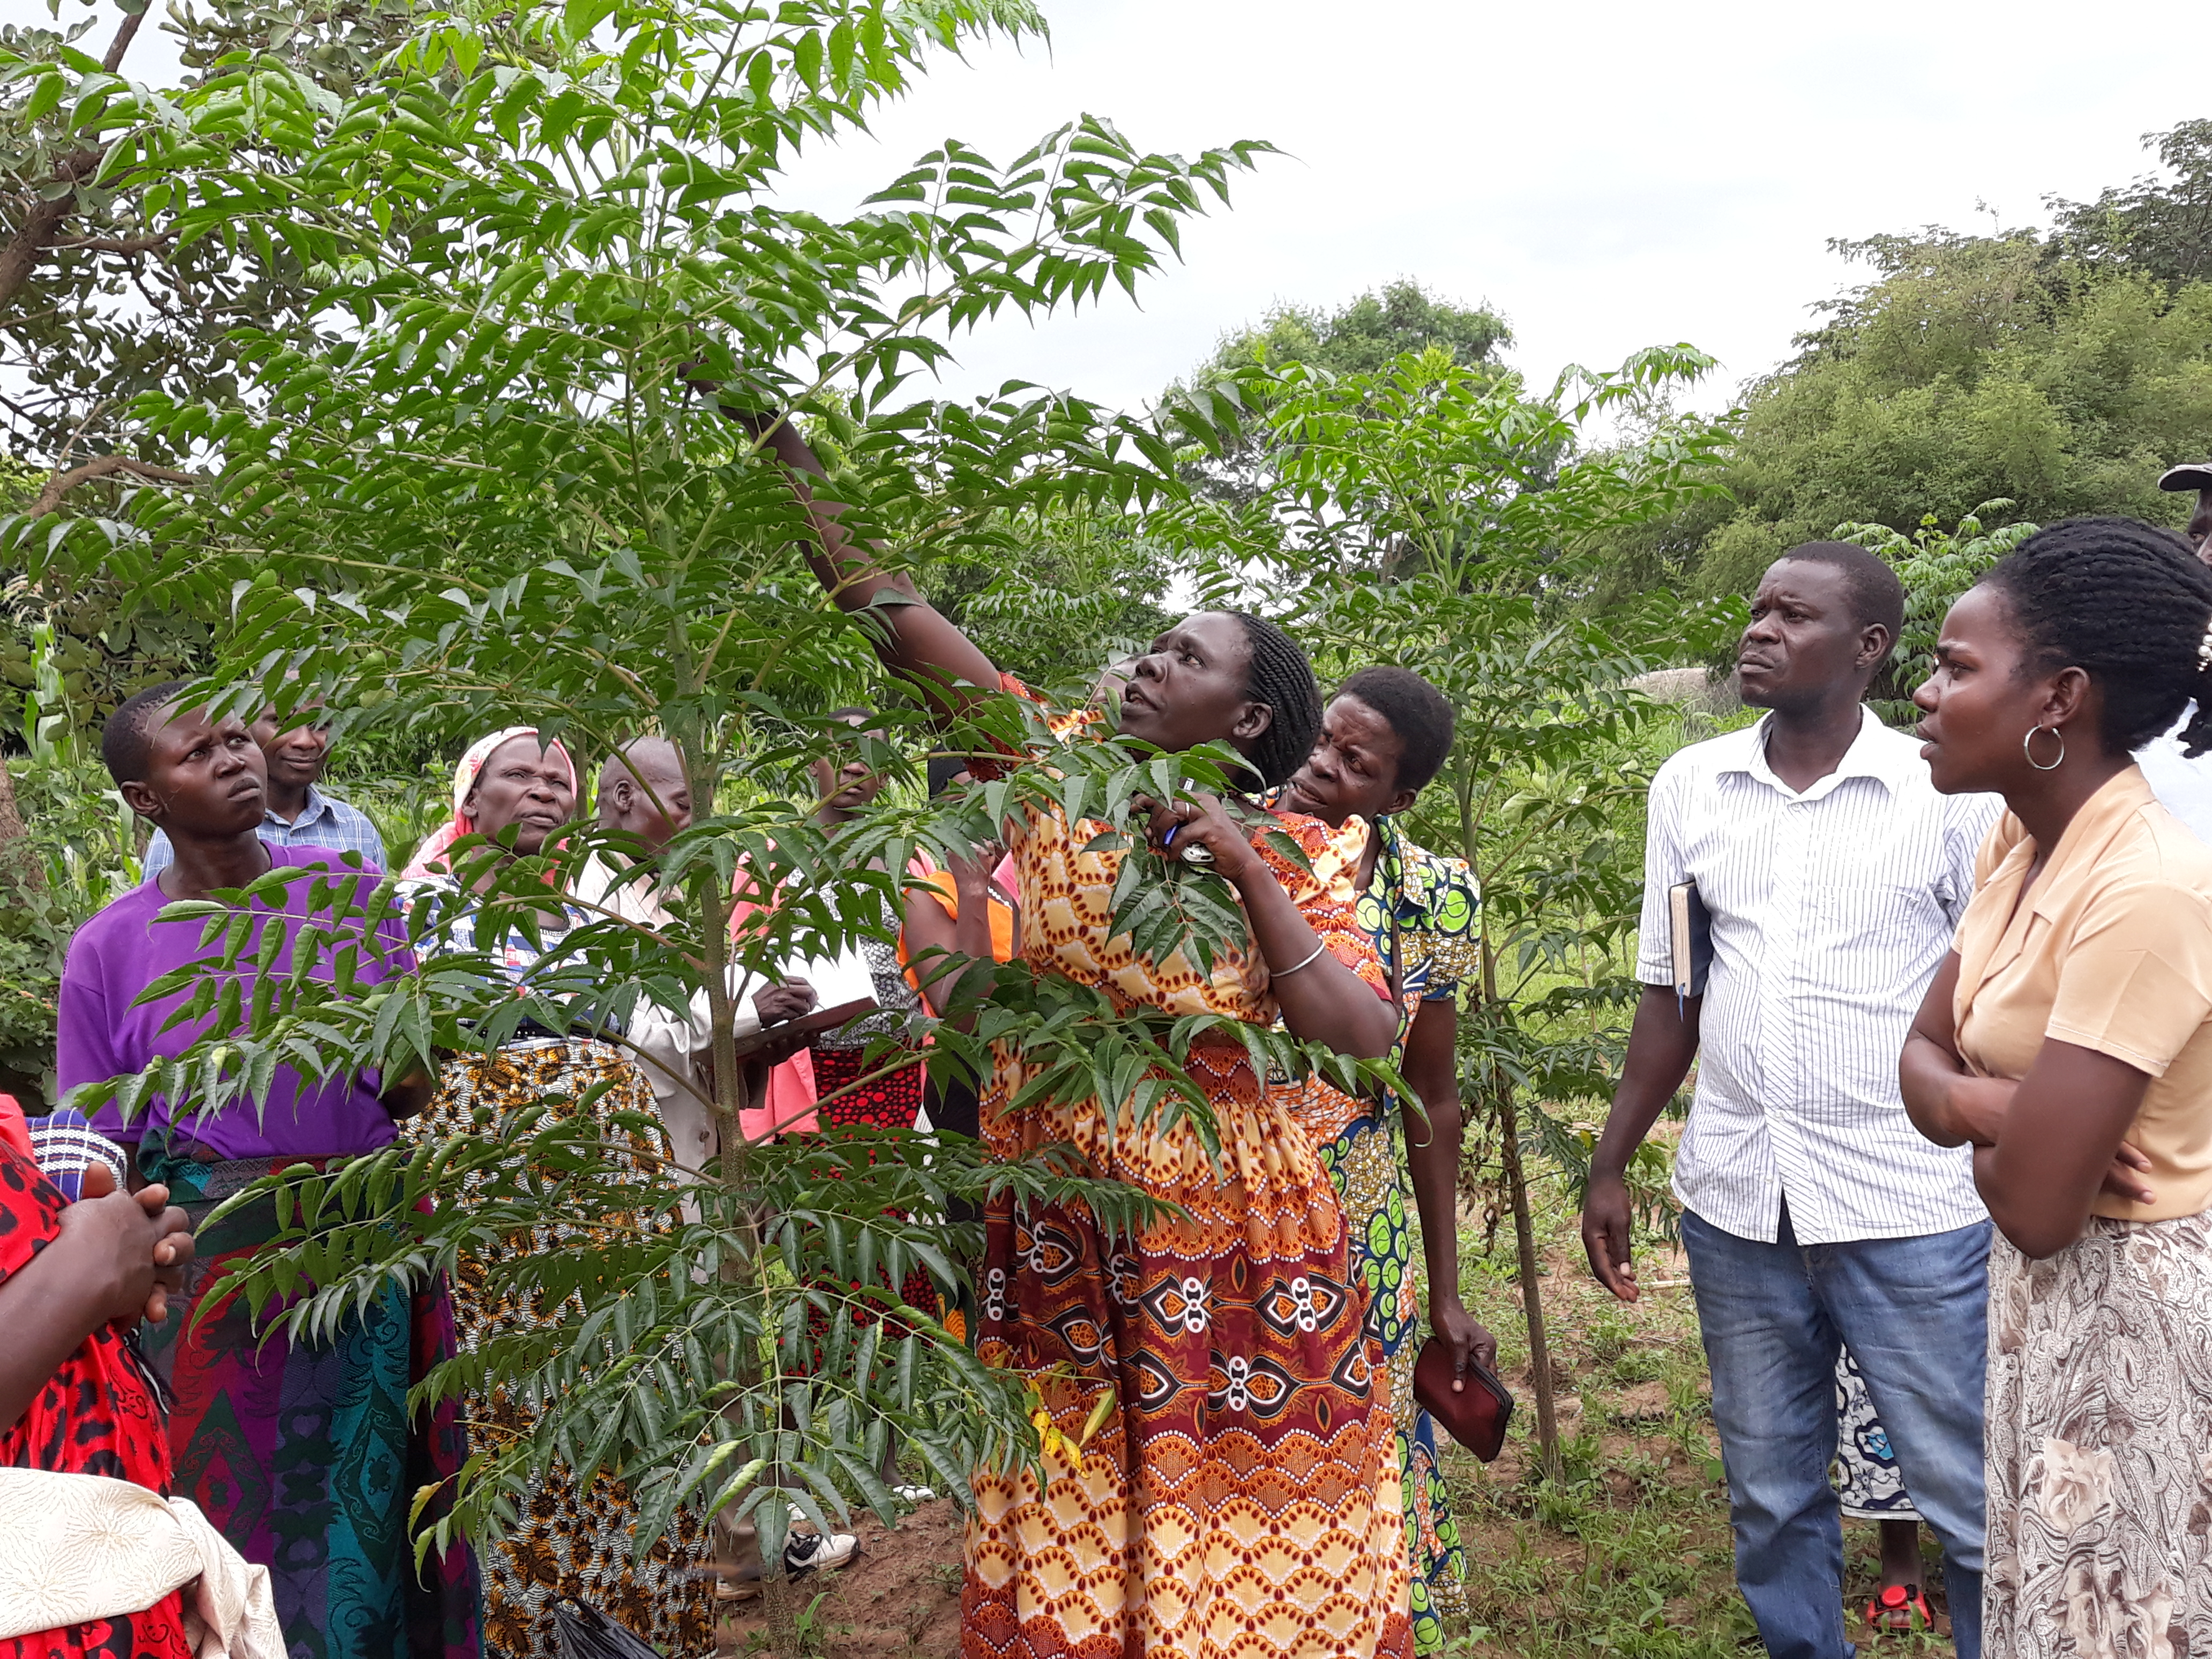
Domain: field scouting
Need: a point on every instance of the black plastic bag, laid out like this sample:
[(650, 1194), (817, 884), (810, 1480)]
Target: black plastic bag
[(587, 1633)]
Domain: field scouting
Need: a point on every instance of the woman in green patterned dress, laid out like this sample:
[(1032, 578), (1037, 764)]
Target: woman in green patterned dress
[(1384, 736)]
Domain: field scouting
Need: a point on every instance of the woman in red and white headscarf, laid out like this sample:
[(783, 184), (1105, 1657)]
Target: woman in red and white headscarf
[(567, 1541)]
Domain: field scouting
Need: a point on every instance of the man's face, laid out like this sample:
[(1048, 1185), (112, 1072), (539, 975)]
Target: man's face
[(1805, 637), (652, 803), (2200, 526), (296, 758), (204, 778)]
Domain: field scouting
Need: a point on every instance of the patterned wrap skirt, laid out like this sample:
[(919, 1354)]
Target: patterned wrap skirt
[(303, 1453), (1237, 1493), (1866, 1478), (2099, 1433), (1362, 1164), (565, 1542)]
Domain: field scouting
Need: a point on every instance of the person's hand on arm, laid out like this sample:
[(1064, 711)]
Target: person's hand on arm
[(114, 1260), (947, 949), (407, 1097), (1952, 1107), (1662, 1043), (1432, 1150), (1321, 1000), (2060, 1137)]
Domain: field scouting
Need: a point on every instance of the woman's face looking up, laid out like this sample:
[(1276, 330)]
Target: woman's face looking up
[(1193, 687)]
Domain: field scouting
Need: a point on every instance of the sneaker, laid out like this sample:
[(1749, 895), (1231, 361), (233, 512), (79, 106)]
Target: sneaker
[(817, 1552), (914, 1494)]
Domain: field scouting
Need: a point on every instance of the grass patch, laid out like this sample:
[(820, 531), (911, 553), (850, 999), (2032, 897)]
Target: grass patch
[(1629, 1552)]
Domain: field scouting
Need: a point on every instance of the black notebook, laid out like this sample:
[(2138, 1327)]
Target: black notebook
[(1690, 936)]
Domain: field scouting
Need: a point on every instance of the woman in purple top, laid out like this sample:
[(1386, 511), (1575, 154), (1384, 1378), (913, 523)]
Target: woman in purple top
[(303, 1453)]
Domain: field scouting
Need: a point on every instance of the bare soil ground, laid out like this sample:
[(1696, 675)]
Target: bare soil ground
[(900, 1600)]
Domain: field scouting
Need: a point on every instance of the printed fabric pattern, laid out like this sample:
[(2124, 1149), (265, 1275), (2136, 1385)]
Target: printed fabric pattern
[(1239, 1494), (303, 1453), (1438, 946), (2100, 1435), (566, 1541), (94, 1416), (1866, 1479)]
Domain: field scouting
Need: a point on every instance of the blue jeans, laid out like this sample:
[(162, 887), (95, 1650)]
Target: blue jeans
[(1915, 1314)]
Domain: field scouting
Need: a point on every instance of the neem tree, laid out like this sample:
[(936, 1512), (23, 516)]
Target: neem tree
[(1445, 517), (498, 486)]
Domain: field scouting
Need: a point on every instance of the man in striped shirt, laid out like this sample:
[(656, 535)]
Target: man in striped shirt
[(1813, 1214)]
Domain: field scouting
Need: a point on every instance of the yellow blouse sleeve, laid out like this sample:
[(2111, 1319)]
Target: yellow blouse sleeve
[(2135, 979)]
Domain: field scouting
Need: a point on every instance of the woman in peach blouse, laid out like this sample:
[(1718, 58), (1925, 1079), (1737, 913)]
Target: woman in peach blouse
[(2068, 1037)]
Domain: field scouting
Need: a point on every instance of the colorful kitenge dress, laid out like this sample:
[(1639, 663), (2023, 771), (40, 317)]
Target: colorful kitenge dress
[(565, 1542), (300, 1450), (1237, 1491), (96, 1415), (1434, 947), (1866, 1477)]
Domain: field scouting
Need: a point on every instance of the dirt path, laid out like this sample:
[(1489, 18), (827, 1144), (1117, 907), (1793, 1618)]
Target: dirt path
[(901, 1600)]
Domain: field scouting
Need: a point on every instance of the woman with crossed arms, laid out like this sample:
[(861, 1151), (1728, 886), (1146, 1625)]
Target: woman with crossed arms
[(2068, 1037)]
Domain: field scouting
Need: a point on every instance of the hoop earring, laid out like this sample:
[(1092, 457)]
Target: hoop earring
[(2026, 748)]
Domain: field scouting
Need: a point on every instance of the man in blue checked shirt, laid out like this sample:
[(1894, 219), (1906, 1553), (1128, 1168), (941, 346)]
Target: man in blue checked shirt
[(298, 814)]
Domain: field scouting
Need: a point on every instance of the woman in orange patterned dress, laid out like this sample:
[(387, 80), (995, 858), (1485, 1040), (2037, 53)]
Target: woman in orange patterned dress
[(1237, 1489)]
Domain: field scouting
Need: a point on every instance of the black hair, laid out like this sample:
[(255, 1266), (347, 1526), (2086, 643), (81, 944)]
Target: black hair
[(1279, 676), (1877, 594), (2128, 605), (126, 741), (1412, 708)]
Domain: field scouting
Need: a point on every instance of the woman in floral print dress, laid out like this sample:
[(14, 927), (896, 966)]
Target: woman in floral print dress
[(2068, 1037), (1238, 1484), (1384, 737)]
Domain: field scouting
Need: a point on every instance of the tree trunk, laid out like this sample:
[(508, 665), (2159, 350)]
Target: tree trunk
[(1532, 1295), (1500, 1087)]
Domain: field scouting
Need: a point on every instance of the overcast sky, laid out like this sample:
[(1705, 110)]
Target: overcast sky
[(1608, 174)]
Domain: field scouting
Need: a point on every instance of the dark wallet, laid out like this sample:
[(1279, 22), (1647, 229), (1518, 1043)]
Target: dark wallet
[(1477, 1415)]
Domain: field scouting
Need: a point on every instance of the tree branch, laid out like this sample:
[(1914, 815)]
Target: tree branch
[(44, 223), (118, 243), (104, 466)]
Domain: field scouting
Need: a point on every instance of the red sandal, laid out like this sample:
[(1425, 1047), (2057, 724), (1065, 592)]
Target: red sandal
[(1898, 1608)]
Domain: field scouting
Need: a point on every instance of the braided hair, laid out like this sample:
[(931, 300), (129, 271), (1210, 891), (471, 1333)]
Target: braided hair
[(2130, 605), (1279, 676)]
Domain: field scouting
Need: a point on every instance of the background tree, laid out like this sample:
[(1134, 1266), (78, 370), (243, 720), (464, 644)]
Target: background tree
[(1358, 337), (2059, 371), (1445, 517)]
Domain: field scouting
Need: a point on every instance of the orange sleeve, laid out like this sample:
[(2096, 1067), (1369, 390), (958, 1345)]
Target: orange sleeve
[(1324, 895)]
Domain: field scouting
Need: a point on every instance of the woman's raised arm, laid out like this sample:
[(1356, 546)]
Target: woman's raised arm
[(921, 643)]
